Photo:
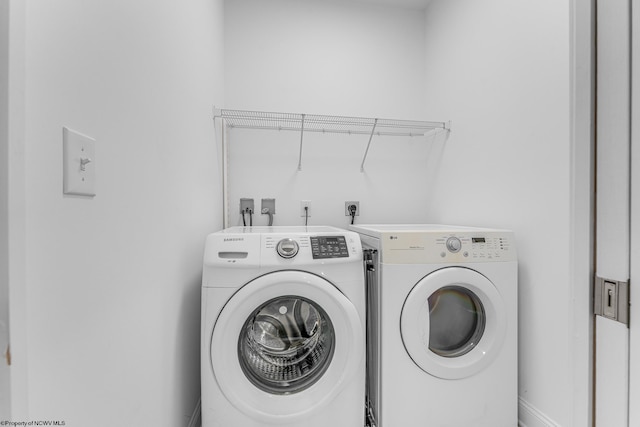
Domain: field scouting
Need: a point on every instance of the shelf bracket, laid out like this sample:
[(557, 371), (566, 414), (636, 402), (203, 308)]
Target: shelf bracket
[(373, 130), (225, 172), (301, 138)]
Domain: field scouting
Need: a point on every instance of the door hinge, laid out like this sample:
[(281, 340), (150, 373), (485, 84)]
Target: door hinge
[(611, 299)]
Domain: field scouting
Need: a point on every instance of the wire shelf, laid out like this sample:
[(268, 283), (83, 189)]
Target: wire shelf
[(328, 124)]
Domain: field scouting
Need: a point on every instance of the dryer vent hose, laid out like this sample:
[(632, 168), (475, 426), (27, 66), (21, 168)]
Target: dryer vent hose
[(268, 212)]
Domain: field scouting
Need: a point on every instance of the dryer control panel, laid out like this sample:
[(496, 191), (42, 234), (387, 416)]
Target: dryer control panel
[(442, 246)]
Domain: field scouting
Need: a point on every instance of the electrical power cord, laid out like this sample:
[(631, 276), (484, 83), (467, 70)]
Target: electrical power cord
[(306, 215), (352, 212)]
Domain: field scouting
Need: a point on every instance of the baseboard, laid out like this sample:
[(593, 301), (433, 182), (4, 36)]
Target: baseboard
[(530, 416)]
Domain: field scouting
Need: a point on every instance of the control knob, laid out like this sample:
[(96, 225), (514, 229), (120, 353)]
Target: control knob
[(454, 244), (287, 248)]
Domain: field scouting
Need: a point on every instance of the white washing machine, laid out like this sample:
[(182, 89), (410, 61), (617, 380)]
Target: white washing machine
[(283, 328), (443, 318)]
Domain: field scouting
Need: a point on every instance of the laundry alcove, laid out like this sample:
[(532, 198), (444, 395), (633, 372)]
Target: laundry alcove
[(368, 130)]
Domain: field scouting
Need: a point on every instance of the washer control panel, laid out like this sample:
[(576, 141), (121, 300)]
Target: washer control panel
[(284, 246), (320, 248), (329, 247), (287, 248)]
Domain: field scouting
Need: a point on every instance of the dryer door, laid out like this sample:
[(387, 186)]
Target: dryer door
[(284, 346), (453, 323)]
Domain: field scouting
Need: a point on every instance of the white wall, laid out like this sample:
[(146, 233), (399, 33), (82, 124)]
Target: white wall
[(113, 282), (500, 71), (4, 207), (328, 57), (17, 211)]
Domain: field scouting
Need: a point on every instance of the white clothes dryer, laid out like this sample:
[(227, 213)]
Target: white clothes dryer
[(442, 344), (283, 328)]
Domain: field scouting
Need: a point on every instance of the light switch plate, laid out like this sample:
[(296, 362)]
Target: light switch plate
[(79, 163)]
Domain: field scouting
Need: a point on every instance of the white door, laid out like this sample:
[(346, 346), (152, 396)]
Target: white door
[(613, 212), (634, 371)]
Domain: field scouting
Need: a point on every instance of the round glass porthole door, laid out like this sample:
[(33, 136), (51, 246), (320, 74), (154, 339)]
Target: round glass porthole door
[(286, 345), (456, 321), (453, 323)]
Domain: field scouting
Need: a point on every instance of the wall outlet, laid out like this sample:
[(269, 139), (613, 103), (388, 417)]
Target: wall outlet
[(347, 206), (305, 204), (268, 204), (246, 204)]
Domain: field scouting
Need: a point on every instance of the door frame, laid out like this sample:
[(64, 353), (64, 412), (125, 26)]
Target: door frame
[(582, 209), (634, 273)]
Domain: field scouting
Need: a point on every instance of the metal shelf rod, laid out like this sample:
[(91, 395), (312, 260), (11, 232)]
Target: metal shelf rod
[(301, 138), (373, 129), (327, 124)]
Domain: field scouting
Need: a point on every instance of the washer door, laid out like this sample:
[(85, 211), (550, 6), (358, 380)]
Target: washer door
[(453, 323), (284, 346)]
